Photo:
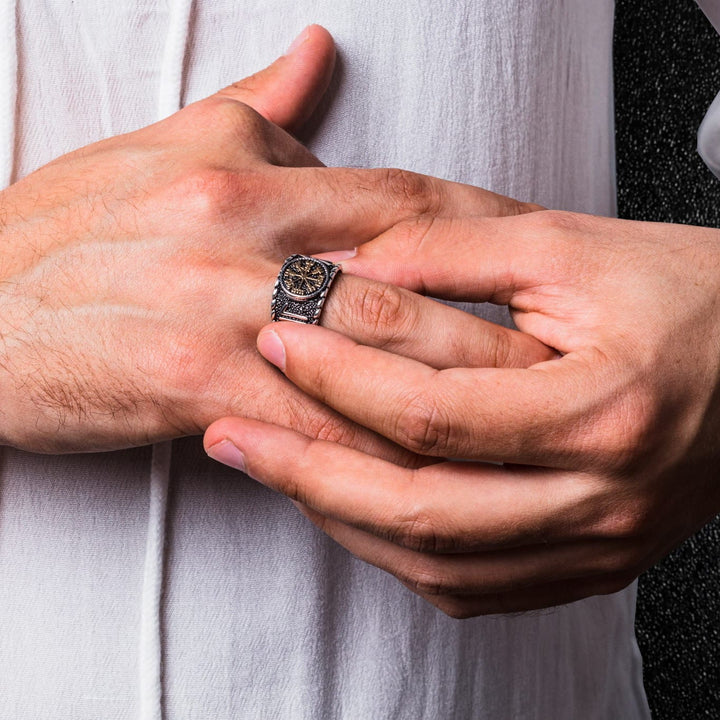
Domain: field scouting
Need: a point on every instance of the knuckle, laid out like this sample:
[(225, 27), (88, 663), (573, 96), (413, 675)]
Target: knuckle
[(213, 195), (191, 119), (629, 522), (216, 113), (221, 121), (621, 557), (523, 208), (317, 423), (509, 206), (621, 514), (331, 428), (562, 223), (186, 373), (502, 349), (409, 235), (559, 221), (426, 578), (204, 192), (628, 432), (422, 426), (418, 531), (416, 192), (382, 310), (229, 118)]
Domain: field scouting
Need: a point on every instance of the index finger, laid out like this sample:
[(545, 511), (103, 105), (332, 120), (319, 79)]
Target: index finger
[(342, 208), (542, 415)]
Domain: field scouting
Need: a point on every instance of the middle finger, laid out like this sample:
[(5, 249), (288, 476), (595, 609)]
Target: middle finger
[(417, 327)]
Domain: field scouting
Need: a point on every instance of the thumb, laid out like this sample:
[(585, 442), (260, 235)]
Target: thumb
[(287, 92)]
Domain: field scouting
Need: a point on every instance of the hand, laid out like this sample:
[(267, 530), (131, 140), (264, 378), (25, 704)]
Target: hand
[(611, 451), (136, 272)]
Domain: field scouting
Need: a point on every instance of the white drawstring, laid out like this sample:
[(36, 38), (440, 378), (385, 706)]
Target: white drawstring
[(173, 61), (8, 89), (150, 660), (8, 94), (151, 656)]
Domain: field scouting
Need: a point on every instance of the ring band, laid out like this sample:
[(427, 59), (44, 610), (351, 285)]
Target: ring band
[(301, 289)]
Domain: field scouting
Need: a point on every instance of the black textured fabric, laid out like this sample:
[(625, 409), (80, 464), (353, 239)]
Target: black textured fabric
[(667, 72)]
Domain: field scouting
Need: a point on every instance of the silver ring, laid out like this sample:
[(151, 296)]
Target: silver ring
[(301, 289)]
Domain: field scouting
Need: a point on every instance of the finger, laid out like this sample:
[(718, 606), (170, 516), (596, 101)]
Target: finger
[(277, 401), (394, 319), (540, 597), (440, 508), (492, 572), (417, 327), (542, 415), (369, 202), (288, 91), (476, 259)]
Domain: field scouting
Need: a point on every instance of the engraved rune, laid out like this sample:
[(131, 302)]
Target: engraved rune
[(303, 277)]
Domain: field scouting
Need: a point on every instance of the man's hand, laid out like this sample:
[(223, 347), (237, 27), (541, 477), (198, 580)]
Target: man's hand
[(135, 273), (611, 451)]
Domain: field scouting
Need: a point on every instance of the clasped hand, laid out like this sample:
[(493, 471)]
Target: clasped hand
[(137, 272), (583, 469)]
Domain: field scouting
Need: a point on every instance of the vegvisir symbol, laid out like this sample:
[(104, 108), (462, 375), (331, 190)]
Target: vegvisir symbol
[(301, 289), (303, 277)]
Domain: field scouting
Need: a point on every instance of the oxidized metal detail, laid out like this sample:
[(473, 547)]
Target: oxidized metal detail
[(301, 288)]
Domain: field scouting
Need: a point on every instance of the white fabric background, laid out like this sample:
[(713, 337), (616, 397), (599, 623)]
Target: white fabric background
[(261, 616)]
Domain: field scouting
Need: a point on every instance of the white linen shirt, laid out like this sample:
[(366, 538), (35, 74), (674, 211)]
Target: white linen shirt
[(215, 599)]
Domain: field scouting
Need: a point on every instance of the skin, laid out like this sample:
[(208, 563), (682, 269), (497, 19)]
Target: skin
[(609, 450), (135, 273)]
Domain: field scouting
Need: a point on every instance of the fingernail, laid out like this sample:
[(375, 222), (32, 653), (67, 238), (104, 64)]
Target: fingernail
[(298, 41), (227, 454), (271, 348), (337, 256)]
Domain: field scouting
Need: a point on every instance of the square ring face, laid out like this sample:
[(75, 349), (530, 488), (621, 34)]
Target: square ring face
[(303, 277)]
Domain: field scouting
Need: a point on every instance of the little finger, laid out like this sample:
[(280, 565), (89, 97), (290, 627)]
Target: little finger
[(487, 573), (539, 597)]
